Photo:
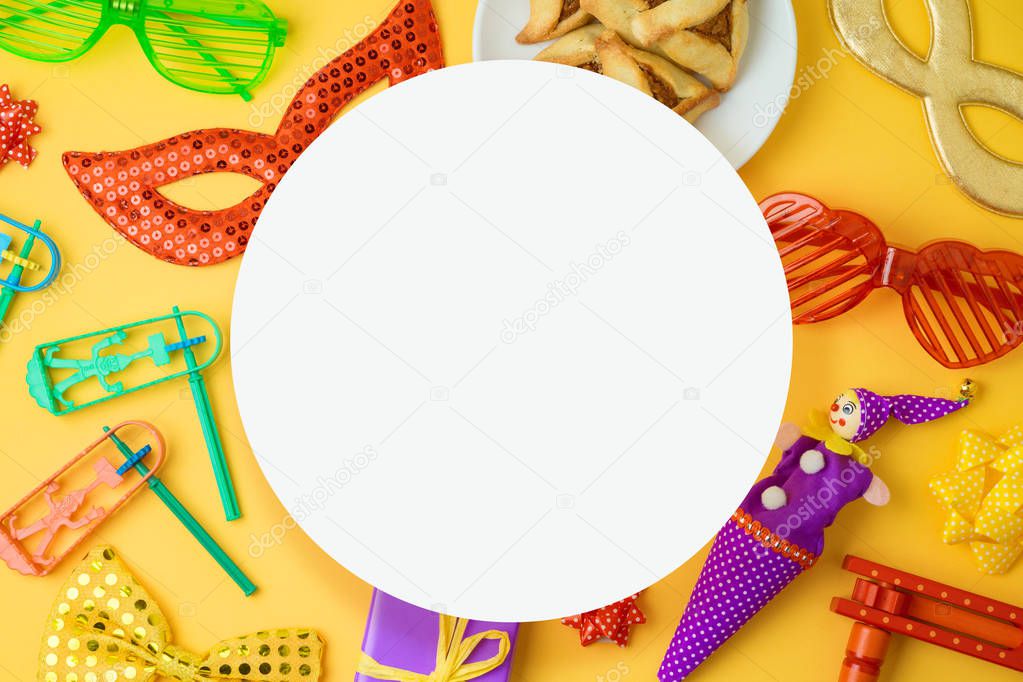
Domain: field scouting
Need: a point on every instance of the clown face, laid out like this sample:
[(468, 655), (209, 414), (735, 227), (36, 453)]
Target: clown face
[(845, 415)]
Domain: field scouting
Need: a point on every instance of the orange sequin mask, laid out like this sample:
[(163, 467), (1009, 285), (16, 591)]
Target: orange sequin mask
[(123, 187)]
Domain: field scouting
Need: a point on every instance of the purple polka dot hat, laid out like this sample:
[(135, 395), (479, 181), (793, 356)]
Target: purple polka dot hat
[(753, 559), (739, 578), (875, 410)]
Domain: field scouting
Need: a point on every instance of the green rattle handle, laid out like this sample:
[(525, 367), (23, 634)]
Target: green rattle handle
[(7, 295), (188, 521), (228, 497)]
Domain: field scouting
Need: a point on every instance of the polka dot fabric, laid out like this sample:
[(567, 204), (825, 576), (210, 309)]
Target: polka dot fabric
[(983, 498), (123, 186), (975, 449), (909, 409), (16, 126), (105, 627), (612, 622), (738, 579)]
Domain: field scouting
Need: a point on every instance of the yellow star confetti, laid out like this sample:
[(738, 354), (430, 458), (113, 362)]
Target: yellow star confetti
[(983, 497)]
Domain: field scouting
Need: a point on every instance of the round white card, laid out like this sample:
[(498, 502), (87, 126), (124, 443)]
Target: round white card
[(511, 341)]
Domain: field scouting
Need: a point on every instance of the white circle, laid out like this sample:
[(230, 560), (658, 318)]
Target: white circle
[(748, 112), (510, 341)]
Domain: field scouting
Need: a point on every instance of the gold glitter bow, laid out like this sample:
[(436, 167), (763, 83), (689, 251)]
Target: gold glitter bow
[(105, 627), (983, 498), (453, 648)]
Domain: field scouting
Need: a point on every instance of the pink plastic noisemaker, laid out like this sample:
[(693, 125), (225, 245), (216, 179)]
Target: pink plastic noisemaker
[(59, 513)]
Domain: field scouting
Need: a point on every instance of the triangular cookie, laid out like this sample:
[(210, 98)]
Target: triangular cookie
[(552, 19), (706, 37), (597, 49)]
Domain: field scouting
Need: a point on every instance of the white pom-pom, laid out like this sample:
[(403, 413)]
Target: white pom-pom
[(773, 498), (812, 461)]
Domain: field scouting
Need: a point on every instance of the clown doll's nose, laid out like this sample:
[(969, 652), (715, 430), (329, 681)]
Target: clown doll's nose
[(834, 407)]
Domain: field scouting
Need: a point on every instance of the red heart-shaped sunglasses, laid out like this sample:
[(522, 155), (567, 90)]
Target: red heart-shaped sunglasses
[(964, 305)]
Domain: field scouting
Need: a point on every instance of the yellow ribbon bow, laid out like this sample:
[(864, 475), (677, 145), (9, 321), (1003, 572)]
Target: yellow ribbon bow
[(105, 627), (983, 498), (453, 649)]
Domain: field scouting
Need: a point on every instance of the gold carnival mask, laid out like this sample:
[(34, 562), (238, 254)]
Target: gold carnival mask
[(946, 80)]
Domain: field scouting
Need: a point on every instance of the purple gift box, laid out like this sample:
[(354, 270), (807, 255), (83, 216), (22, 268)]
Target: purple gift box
[(404, 636)]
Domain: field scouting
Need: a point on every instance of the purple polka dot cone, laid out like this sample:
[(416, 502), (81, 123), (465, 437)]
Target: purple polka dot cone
[(908, 409), (738, 579)]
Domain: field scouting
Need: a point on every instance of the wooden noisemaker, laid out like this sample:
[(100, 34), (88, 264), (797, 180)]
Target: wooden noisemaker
[(886, 601)]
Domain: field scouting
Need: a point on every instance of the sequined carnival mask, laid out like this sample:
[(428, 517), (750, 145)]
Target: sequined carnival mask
[(123, 187)]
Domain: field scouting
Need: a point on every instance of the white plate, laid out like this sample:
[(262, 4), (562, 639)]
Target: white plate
[(748, 112), (498, 383)]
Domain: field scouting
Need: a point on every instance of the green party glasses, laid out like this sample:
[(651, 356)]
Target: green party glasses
[(214, 46)]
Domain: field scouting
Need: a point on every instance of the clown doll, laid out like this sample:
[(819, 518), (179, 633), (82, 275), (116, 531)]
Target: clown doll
[(778, 531)]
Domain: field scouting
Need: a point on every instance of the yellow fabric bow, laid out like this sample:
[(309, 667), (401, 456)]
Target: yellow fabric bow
[(105, 627), (983, 498), (820, 429), (452, 651)]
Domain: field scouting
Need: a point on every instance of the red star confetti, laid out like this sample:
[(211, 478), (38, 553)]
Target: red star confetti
[(16, 126), (611, 622)]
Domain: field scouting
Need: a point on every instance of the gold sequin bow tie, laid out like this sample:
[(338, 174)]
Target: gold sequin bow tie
[(983, 498), (105, 627), (453, 650)]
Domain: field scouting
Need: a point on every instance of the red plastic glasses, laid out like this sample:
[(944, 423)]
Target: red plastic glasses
[(964, 305)]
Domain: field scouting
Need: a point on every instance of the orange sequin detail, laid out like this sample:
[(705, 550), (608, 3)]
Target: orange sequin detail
[(123, 186), (772, 541)]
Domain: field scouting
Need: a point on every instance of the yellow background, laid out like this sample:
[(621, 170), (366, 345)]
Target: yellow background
[(851, 139)]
